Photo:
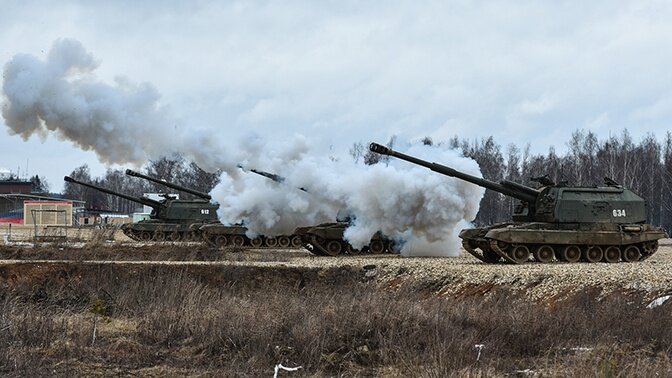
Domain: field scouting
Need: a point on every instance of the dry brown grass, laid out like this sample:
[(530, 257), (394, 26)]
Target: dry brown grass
[(170, 321), (100, 249)]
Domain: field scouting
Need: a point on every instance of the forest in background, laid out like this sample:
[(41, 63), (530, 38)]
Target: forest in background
[(643, 166)]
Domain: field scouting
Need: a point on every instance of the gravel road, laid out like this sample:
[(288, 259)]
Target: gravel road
[(444, 276)]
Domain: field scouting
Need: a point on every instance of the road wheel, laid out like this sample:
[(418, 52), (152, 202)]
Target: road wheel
[(650, 248), (145, 236), (257, 242), (544, 254), (612, 254), (593, 254), (570, 253), (175, 236), (296, 241), (377, 247), (520, 254), (631, 253), (159, 236), (271, 242), (283, 241), (352, 251), (238, 240), (334, 248), (393, 247), (220, 241)]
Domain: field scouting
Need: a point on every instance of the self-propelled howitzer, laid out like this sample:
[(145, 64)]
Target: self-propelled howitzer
[(327, 239), (170, 218), (605, 223)]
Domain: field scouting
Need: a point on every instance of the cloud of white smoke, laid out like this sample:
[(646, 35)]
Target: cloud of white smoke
[(409, 203), (121, 123)]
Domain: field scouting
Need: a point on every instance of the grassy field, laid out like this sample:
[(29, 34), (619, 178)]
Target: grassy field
[(84, 319)]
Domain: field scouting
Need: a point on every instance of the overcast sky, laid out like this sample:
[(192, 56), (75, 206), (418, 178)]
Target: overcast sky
[(346, 71)]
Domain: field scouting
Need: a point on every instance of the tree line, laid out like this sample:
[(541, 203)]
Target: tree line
[(645, 167)]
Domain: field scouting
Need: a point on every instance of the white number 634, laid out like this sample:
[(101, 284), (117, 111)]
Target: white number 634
[(619, 213)]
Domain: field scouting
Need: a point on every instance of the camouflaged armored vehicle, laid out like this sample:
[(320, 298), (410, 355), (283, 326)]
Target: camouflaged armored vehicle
[(170, 218), (327, 240), (557, 222), (324, 239)]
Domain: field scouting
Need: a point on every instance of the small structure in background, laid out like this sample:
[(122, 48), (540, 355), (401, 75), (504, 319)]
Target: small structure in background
[(47, 213), (100, 218), (49, 219), (28, 212)]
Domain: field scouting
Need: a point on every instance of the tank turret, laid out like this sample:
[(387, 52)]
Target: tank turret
[(601, 223)]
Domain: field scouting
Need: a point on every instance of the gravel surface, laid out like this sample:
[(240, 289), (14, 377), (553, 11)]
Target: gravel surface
[(448, 276), (460, 275)]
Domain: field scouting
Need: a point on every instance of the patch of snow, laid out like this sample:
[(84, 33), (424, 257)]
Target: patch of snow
[(658, 301)]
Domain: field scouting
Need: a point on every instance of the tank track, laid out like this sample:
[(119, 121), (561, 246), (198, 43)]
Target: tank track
[(219, 240), (339, 247), (491, 251), (159, 236)]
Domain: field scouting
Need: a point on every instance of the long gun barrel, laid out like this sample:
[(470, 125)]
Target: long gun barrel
[(272, 176), (145, 201), (269, 175), (509, 188), (169, 184)]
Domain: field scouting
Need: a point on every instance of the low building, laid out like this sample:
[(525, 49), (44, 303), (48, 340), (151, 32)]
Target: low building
[(47, 213), (94, 217)]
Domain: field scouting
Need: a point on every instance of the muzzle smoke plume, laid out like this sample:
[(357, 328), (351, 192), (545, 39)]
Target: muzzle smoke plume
[(408, 203), (122, 123)]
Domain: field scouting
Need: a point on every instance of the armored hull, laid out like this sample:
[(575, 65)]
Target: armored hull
[(518, 243), (327, 240), (158, 230), (219, 235)]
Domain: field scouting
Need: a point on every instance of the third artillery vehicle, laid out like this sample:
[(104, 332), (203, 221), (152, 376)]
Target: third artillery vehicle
[(605, 223), (325, 239)]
